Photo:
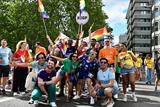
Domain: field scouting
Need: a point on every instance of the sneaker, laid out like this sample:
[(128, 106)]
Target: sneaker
[(15, 94), (92, 100), (125, 98), (35, 102), (105, 103), (116, 96), (110, 104), (76, 97), (30, 101), (22, 93), (134, 98), (53, 104)]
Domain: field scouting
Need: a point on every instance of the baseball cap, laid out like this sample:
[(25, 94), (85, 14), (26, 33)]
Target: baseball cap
[(107, 38)]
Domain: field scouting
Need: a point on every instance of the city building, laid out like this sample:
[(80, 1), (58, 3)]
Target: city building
[(123, 38), (139, 21), (155, 27)]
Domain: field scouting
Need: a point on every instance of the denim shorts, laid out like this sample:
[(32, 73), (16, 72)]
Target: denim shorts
[(127, 71), (100, 91)]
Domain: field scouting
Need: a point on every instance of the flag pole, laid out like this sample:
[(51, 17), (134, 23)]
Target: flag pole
[(45, 27)]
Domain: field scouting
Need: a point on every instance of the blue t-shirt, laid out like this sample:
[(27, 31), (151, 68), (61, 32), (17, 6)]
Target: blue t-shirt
[(105, 76), (46, 76), (37, 67), (5, 55), (86, 66)]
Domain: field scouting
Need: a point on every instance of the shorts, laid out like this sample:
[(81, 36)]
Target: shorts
[(82, 75), (4, 70), (61, 73), (127, 71), (100, 91)]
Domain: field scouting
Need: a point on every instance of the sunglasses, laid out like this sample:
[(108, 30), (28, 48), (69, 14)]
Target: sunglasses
[(40, 57), (103, 62), (74, 56)]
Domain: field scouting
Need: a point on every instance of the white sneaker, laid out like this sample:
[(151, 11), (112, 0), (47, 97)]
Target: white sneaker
[(22, 93), (76, 97), (134, 98), (15, 94), (125, 98), (92, 100), (30, 101), (116, 96), (53, 104), (36, 102), (105, 103), (110, 104)]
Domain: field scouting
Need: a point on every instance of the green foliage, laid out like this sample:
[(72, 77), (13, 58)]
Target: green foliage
[(20, 19)]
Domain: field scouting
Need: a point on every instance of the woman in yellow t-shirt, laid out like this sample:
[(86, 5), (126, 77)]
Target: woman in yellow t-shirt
[(138, 64), (149, 63), (127, 59)]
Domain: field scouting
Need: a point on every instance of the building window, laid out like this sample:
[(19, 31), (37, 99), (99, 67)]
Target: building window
[(143, 4), (156, 26), (145, 12)]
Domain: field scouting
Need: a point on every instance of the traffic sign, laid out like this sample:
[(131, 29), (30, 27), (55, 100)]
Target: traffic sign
[(82, 18)]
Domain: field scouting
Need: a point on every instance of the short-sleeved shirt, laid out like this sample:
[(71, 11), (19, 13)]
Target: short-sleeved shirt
[(68, 65), (5, 54), (86, 67), (37, 67), (126, 58), (105, 76), (139, 62), (39, 50), (46, 76), (149, 62), (23, 55), (109, 54)]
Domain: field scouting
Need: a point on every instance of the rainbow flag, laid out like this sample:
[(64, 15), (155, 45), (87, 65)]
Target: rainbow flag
[(99, 34), (82, 5), (41, 10)]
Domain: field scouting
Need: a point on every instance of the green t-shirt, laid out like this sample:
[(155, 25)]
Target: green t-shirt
[(68, 65)]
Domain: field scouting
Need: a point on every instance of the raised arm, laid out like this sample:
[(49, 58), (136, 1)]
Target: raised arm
[(57, 58)]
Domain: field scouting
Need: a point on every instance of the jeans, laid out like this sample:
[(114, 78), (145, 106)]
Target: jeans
[(149, 75)]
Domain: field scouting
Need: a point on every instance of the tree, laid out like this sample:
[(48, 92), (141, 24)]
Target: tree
[(20, 19)]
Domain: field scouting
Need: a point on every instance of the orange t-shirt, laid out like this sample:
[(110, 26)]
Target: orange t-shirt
[(109, 53), (40, 49)]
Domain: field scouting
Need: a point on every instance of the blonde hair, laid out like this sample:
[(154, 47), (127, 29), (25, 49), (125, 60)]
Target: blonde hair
[(18, 46)]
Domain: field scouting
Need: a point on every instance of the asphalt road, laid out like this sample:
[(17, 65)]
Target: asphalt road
[(145, 94)]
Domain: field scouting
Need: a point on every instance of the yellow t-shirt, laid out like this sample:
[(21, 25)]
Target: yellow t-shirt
[(149, 62), (138, 63), (126, 58)]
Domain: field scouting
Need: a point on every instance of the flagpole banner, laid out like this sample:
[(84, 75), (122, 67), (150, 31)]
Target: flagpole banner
[(100, 33), (82, 5), (43, 13)]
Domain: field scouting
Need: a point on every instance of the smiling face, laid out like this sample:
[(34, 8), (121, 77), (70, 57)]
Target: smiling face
[(4, 43), (51, 64), (74, 57), (41, 58), (103, 63)]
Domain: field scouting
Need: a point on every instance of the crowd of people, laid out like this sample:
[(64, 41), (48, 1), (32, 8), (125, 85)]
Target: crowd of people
[(98, 68)]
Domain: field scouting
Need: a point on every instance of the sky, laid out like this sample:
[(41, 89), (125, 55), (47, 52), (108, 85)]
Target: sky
[(116, 11)]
